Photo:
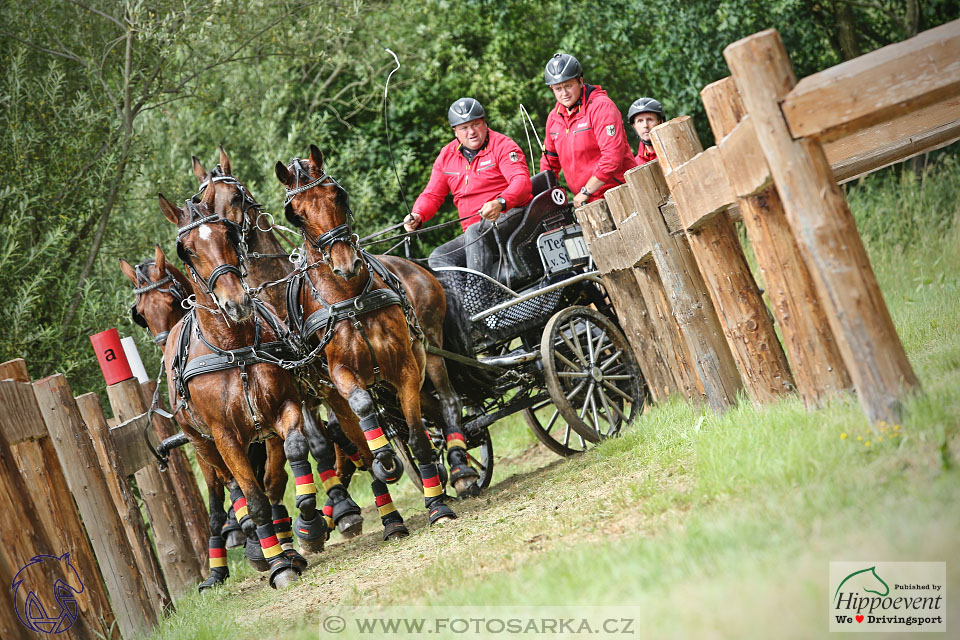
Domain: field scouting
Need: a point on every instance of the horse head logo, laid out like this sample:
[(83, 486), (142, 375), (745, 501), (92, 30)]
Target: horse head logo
[(868, 578), (34, 614)]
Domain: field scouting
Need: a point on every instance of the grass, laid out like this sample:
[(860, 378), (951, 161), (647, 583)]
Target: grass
[(700, 524)]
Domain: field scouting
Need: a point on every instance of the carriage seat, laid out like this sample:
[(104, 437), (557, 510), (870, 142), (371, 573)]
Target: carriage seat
[(521, 246)]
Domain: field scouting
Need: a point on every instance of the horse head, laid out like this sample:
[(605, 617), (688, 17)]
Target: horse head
[(317, 204), (160, 289), (210, 248), (231, 199)]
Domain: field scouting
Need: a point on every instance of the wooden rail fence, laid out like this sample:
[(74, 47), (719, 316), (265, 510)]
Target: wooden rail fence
[(65, 487), (669, 251)]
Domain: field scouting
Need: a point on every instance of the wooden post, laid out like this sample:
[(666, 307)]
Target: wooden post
[(184, 482), (628, 301), (131, 604), (825, 231), (42, 474), (746, 323), (691, 307), (667, 339), (176, 555), (818, 368), (124, 501)]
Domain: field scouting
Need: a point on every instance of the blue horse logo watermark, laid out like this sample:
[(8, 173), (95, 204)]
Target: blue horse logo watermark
[(37, 613)]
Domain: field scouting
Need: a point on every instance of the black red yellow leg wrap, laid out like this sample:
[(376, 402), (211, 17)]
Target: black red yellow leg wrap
[(433, 494), (328, 513), (283, 525), (386, 465), (240, 510), (306, 488), (219, 571), (393, 526)]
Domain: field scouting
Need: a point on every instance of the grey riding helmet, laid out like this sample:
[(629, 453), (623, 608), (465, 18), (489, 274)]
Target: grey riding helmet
[(465, 110), (645, 105), (560, 68)]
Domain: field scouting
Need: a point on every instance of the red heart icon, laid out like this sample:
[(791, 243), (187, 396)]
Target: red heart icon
[(859, 618)]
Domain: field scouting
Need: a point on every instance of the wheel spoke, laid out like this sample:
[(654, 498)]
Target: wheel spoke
[(589, 340), (617, 391), (576, 390), (574, 347), (586, 399), (618, 376), (566, 436), (611, 360), (583, 445), (572, 374), (553, 420), (613, 405), (593, 410), (541, 405), (576, 341), (562, 358)]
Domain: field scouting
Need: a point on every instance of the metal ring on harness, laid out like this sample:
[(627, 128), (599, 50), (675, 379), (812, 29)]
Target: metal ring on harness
[(257, 222)]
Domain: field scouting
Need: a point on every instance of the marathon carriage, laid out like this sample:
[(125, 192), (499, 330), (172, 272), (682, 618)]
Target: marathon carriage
[(547, 343)]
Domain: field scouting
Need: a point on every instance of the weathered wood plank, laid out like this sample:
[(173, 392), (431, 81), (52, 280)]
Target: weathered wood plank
[(124, 501), (685, 290), (132, 450), (825, 231), (876, 86), (15, 369), (174, 551), (818, 369), (747, 325), (194, 510), (20, 418), (131, 604)]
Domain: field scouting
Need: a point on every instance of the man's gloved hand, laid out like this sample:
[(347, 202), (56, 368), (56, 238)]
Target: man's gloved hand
[(491, 211), (412, 222)]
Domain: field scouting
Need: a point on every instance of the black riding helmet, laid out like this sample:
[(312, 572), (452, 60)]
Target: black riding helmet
[(645, 105), (465, 110), (560, 68)]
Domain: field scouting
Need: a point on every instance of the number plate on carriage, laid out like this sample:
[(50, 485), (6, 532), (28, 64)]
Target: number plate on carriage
[(563, 248)]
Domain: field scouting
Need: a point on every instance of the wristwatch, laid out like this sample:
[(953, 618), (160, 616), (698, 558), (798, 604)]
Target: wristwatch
[(503, 203), (585, 192)]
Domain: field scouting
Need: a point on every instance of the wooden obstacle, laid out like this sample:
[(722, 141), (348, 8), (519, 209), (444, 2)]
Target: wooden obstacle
[(671, 257), (64, 483)]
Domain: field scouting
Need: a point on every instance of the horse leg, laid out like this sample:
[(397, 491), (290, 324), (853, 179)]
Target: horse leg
[(258, 512), (462, 475), (340, 510), (217, 547), (310, 526), (433, 494), (275, 484), (386, 465)]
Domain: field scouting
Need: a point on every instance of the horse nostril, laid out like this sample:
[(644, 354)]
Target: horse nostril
[(357, 265)]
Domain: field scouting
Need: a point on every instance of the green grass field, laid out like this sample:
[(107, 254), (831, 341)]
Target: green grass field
[(704, 525)]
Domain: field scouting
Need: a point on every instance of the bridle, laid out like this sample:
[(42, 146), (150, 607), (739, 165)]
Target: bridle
[(325, 241), (234, 234), (175, 289)]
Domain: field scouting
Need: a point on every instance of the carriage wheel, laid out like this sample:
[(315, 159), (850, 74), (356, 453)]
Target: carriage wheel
[(480, 458), (590, 373), (553, 431)]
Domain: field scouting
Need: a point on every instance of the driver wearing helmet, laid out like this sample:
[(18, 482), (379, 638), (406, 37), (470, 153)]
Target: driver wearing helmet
[(644, 114), (585, 135), (487, 174)]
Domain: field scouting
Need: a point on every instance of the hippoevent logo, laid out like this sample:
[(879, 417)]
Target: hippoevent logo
[(888, 596), (47, 608)]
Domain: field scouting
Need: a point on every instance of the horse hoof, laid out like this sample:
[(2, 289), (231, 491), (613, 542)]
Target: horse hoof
[(284, 579), (235, 539), (312, 546), (443, 520), (441, 513), (466, 488), (395, 531), (299, 562), (350, 526)]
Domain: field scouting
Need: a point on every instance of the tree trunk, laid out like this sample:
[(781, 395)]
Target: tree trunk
[(846, 31)]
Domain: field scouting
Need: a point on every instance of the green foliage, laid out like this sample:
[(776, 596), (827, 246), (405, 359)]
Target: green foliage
[(266, 79)]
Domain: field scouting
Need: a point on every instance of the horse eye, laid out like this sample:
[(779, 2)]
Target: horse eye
[(237, 198)]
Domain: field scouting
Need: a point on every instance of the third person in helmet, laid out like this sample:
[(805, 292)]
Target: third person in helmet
[(643, 116), (585, 137)]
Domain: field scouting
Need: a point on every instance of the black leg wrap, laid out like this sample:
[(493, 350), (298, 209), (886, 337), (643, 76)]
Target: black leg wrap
[(254, 553), (463, 477), (387, 467), (231, 531), (218, 575), (394, 530), (312, 533), (298, 561), (438, 510)]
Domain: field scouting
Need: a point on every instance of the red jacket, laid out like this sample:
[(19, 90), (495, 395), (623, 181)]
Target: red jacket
[(645, 154), (499, 169), (590, 141)]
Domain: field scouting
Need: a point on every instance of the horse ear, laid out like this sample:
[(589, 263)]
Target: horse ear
[(316, 157), (282, 174), (209, 195), (160, 260), (225, 162), (198, 169), (128, 271), (170, 212)]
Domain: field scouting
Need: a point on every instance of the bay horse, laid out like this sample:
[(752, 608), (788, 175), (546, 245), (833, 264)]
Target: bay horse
[(360, 311), (160, 288), (225, 393), (268, 263)]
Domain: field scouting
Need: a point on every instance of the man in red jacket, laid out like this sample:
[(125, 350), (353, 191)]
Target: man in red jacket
[(644, 114), (585, 136), (487, 174)]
